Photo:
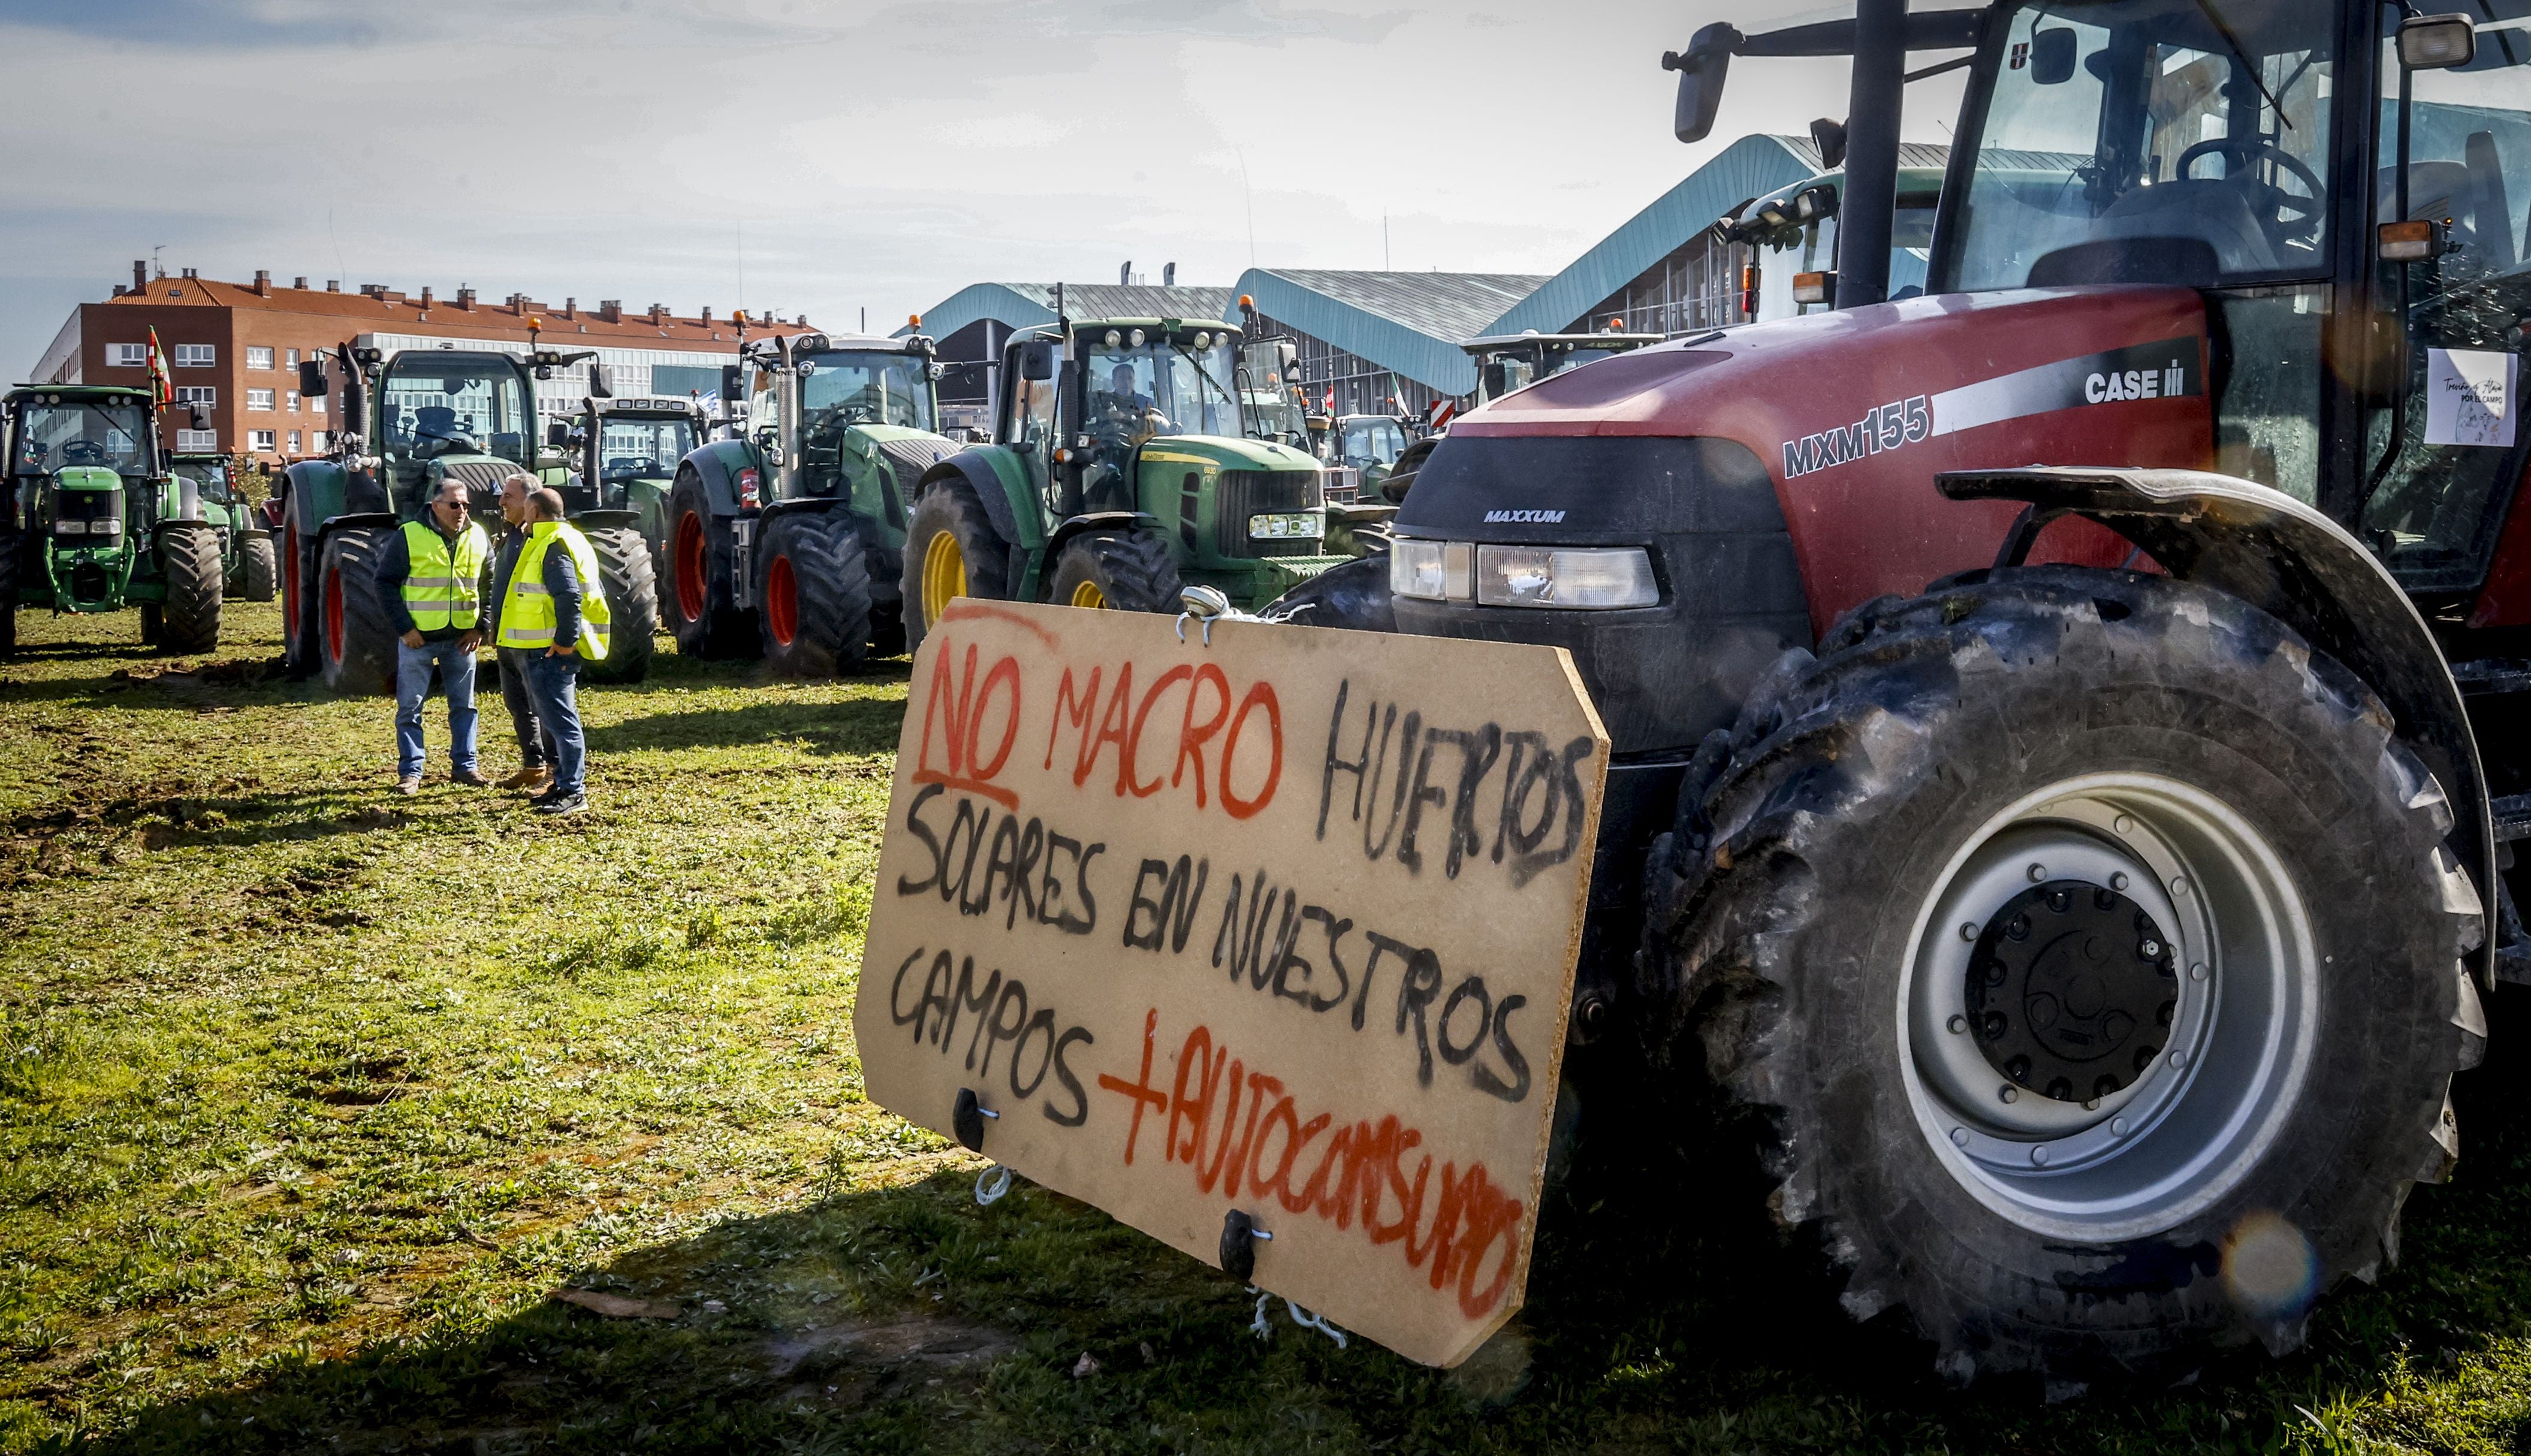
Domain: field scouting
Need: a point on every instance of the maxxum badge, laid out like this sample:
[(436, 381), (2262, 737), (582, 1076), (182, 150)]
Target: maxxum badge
[(1525, 518), (2166, 370)]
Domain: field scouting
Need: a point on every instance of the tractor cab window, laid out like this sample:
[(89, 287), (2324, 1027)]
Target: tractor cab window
[(113, 433), (1136, 392), (437, 404), (2444, 447), (211, 476), (1364, 443), (1503, 373), (2179, 140), (638, 449), (864, 388)]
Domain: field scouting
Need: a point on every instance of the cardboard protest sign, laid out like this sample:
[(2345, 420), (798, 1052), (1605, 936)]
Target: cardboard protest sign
[(1283, 924)]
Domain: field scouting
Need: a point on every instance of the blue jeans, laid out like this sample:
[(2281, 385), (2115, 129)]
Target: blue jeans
[(413, 679), (555, 683)]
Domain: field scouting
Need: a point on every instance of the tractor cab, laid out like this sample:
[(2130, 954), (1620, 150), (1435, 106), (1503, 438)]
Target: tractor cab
[(1358, 451), (1508, 362), (439, 412), (1269, 394), (210, 476), (822, 408), (82, 462), (1801, 221), (625, 454)]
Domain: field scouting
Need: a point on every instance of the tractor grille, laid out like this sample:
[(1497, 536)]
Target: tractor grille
[(906, 460), (1245, 493)]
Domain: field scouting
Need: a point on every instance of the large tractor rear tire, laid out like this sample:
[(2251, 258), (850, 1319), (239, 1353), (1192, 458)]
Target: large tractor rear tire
[(2094, 952), (12, 546), (702, 598), (302, 603), (259, 569), (357, 642), (1125, 571), (817, 597), (951, 550), (632, 605), (189, 562)]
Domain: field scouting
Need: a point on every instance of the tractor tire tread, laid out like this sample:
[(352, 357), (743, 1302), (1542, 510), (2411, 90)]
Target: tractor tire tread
[(1134, 570), (259, 568), (632, 605), (189, 563), (368, 665), (951, 505), (830, 570)]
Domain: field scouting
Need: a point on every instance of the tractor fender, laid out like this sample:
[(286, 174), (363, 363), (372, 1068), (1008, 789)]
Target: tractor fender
[(1089, 521), (2297, 565), (994, 472), (325, 497), (606, 520), (716, 463)]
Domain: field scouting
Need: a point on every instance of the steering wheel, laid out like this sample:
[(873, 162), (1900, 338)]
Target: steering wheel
[(2287, 218), (82, 452)]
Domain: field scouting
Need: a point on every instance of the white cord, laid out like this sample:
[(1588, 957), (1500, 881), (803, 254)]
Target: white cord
[(998, 1177)]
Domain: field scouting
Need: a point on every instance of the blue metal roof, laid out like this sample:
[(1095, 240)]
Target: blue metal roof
[(1021, 306), (1750, 167), (1407, 323)]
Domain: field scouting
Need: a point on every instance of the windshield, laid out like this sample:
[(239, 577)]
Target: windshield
[(643, 449), (1911, 248), (113, 433), (211, 474), (1365, 443), (451, 404), (2184, 140), (1134, 393), (864, 388)]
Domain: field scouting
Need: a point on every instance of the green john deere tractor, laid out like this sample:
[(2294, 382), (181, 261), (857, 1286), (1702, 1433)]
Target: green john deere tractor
[(95, 521), (410, 420), (1122, 470), (250, 571), (624, 458), (786, 541)]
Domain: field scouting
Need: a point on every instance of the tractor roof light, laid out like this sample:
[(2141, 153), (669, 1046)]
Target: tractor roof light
[(1135, 338), (1114, 338), (1203, 340)]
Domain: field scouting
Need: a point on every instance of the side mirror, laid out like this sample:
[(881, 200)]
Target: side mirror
[(602, 380), (1828, 134), (2051, 56), (200, 420), (557, 435), (1037, 359), (2437, 42), (312, 378), (1701, 74)]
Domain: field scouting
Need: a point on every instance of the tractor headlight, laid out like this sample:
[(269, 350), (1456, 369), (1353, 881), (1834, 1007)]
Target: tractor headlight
[(1284, 526), (1430, 570), (71, 527), (107, 527), (1584, 580)]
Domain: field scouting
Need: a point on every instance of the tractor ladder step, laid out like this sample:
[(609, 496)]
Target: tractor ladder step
[(2492, 677)]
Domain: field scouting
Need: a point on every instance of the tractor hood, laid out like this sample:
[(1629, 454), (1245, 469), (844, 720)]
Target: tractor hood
[(1224, 453), (86, 477), (1851, 415)]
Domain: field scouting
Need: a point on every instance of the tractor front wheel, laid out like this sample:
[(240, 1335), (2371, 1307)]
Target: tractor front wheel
[(1117, 571), (817, 599), (632, 605), (189, 562), (355, 638), (259, 569), (702, 609), (2093, 950), (951, 550)]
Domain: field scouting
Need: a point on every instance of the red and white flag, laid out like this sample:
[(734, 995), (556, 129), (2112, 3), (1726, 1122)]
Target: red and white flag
[(161, 386)]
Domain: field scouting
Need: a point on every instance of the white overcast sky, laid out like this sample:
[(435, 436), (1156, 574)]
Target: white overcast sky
[(830, 157)]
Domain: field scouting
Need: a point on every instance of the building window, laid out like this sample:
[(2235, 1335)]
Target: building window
[(294, 442), (196, 355), (290, 359), (259, 439), (259, 356), (316, 403), (317, 441), (197, 441), (127, 356), (197, 394), (258, 399), (290, 400)]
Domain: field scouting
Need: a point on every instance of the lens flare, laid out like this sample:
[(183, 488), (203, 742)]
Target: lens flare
[(2268, 1267)]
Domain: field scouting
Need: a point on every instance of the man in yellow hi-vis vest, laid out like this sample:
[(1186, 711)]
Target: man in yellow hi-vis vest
[(555, 612), (430, 576)]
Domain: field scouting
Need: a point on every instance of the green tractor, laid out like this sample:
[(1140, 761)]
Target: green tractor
[(96, 522), (410, 420), (250, 571), (786, 540), (624, 458), (1121, 471)]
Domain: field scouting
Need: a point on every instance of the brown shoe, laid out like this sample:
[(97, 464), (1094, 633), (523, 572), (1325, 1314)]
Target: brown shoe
[(470, 778), (531, 778), (408, 786)]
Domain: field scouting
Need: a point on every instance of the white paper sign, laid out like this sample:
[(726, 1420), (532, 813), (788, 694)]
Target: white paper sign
[(2471, 397)]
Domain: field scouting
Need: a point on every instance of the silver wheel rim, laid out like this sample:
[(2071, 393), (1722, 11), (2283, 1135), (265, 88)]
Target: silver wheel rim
[(2228, 1067)]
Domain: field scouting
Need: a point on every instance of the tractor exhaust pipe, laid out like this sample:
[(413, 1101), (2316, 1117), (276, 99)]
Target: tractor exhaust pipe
[(1867, 211)]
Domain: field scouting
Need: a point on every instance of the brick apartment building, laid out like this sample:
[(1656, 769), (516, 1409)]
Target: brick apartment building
[(235, 347)]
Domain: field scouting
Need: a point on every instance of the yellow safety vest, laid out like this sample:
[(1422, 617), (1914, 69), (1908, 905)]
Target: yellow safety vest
[(527, 611), (446, 585)]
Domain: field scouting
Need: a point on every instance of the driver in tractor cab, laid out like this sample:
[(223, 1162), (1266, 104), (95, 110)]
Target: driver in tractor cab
[(436, 425), (1121, 414)]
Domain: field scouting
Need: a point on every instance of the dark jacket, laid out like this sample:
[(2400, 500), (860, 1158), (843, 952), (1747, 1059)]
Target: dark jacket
[(395, 567)]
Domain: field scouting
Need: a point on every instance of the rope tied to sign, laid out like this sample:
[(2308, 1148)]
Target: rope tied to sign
[(991, 1184), (1300, 1317)]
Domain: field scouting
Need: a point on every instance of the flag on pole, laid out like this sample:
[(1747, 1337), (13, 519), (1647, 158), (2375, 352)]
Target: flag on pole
[(161, 386)]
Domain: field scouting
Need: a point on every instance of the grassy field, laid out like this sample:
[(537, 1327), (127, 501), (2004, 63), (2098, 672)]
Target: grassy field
[(314, 1099)]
